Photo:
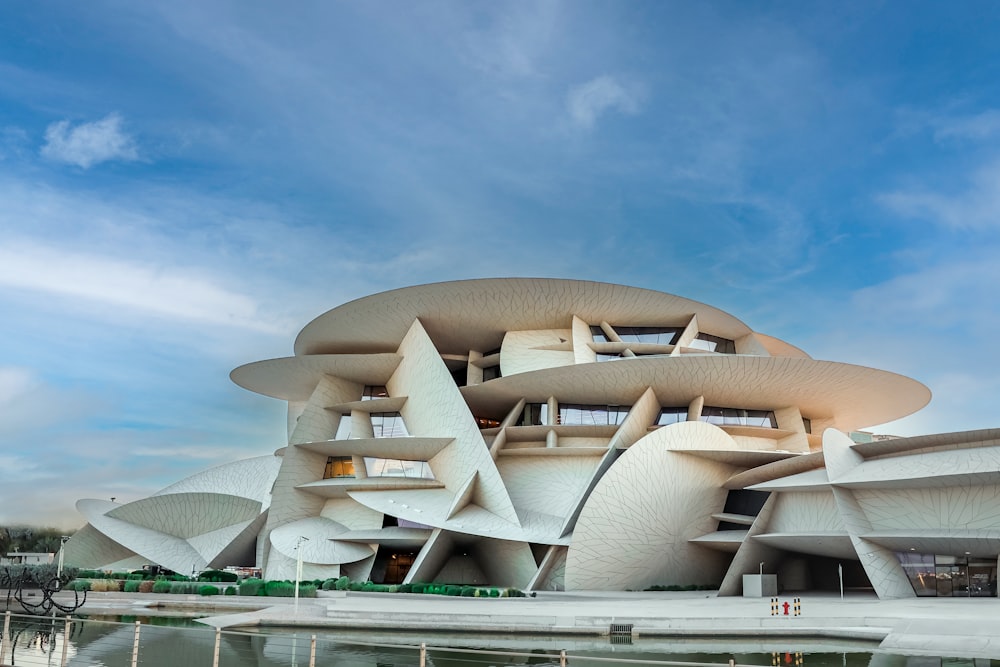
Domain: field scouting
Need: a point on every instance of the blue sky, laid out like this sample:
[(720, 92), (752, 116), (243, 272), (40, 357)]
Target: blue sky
[(184, 185)]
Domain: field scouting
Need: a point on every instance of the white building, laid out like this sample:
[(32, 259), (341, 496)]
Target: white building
[(558, 434)]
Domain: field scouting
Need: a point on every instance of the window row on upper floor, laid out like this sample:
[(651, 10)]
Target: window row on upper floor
[(660, 336), (537, 414)]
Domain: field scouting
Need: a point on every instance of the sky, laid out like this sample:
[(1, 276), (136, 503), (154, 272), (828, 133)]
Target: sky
[(184, 185)]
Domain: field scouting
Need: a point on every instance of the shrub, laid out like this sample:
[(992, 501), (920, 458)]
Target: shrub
[(90, 574), (251, 586), (405, 588), (78, 585), (468, 591), (132, 586), (118, 575), (136, 576), (183, 587), (329, 585), (418, 588), (343, 583), (355, 586), (452, 590), (218, 576), (392, 588), (161, 586), (306, 590), (104, 586), (146, 586), (494, 593), (279, 589), (230, 590), (208, 590)]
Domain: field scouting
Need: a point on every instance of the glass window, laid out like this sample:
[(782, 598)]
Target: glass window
[(671, 416), (738, 417), (600, 415), (711, 343), (534, 414), (919, 569), (372, 391), (338, 466), (944, 575), (491, 373), (807, 425), (598, 333), (343, 428), (379, 467), (658, 335), (608, 357), (388, 425)]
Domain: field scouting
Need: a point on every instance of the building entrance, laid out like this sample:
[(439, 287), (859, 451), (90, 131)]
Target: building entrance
[(937, 575)]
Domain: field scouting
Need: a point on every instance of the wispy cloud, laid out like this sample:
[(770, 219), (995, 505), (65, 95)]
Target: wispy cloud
[(977, 207), (587, 102), (88, 144), (164, 291), (976, 127), (14, 382)]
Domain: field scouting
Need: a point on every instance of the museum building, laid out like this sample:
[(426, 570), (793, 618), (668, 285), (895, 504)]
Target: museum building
[(570, 435)]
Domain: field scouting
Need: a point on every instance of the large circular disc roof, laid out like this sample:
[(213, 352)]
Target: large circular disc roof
[(454, 313)]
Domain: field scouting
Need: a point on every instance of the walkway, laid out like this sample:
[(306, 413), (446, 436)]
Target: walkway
[(958, 627)]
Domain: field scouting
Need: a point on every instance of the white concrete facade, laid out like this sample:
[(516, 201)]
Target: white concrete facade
[(559, 434)]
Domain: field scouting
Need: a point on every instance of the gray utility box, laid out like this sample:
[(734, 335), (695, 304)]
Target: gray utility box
[(760, 585)]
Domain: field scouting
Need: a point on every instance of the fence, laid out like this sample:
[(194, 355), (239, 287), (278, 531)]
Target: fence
[(88, 642)]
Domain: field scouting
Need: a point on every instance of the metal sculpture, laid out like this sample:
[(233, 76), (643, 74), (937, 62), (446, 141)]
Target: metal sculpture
[(18, 584)]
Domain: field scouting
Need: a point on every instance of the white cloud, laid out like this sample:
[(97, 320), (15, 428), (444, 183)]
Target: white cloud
[(168, 292), (977, 127), (14, 382), (978, 207), (88, 144), (588, 101)]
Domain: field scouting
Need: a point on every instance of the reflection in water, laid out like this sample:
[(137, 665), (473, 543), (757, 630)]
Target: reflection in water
[(169, 642)]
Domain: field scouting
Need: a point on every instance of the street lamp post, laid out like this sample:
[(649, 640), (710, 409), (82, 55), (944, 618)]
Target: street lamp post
[(298, 569)]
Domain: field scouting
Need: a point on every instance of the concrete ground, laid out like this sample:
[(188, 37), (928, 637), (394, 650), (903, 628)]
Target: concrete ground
[(954, 627)]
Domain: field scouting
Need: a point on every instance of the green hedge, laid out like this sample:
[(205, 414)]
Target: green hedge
[(132, 586), (218, 576), (279, 589), (208, 590), (686, 587), (230, 590), (183, 587), (251, 587), (78, 585), (161, 586)]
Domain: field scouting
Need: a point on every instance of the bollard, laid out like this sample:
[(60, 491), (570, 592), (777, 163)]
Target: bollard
[(423, 654), (562, 658), (774, 659), (218, 645), (798, 606), (65, 646), (3, 639), (774, 606), (312, 651), (135, 646)]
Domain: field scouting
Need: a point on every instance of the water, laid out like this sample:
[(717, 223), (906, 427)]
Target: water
[(173, 640)]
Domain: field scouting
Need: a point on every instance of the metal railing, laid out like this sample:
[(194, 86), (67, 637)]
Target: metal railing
[(78, 642)]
